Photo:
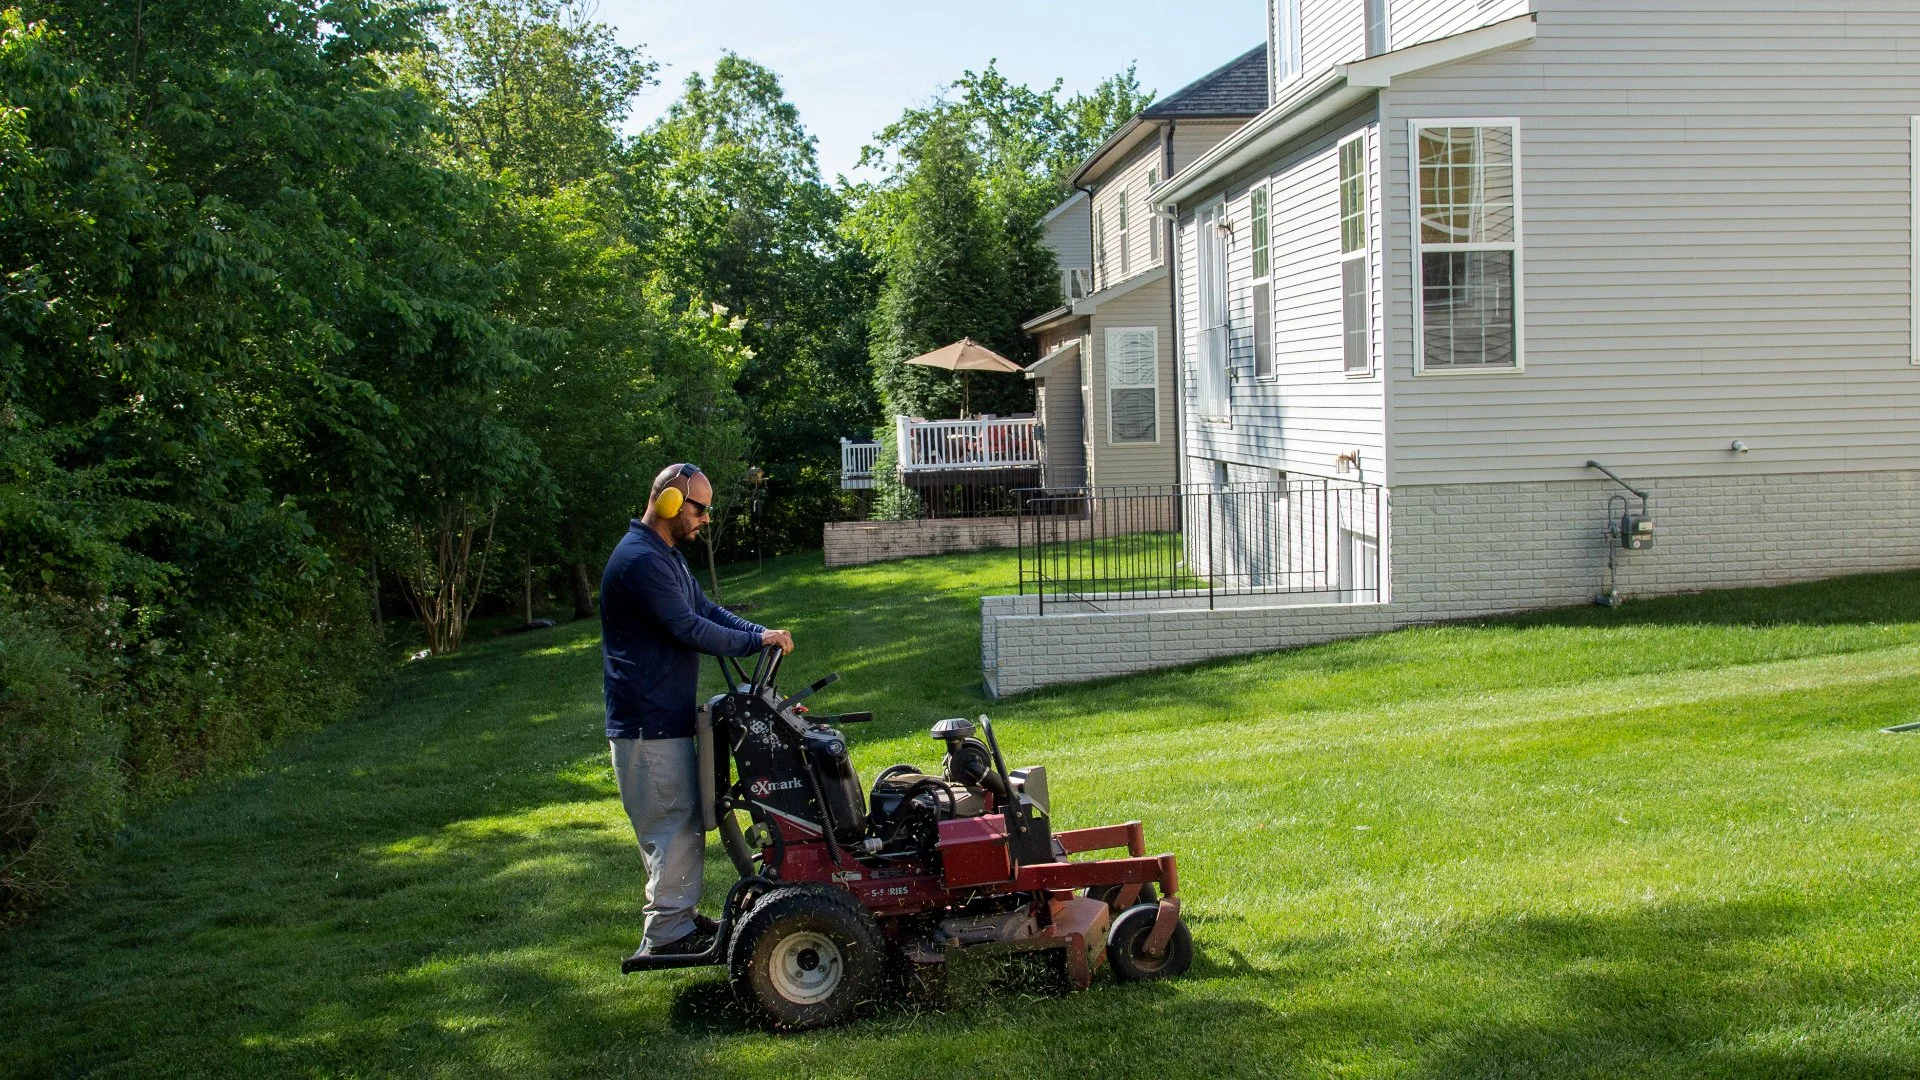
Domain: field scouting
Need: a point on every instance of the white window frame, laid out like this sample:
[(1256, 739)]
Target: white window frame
[(1153, 220), (1126, 268), (1264, 190), (1106, 360), (1365, 254), (1519, 247), (1286, 64), (1377, 13)]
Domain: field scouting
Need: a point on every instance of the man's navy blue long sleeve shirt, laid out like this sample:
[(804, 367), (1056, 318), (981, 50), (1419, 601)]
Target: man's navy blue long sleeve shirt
[(654, 625)]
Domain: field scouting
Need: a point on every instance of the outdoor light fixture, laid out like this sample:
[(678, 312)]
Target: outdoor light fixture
[(1738, 447)]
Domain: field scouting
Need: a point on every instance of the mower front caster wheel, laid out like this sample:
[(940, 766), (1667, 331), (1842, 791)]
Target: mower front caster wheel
[(1127, 946), (806, 957)]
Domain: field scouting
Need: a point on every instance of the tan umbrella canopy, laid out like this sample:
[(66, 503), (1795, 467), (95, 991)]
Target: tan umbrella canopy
[(963, 356)]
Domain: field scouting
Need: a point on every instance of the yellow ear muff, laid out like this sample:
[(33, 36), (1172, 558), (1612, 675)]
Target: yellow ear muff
[(667, 504)]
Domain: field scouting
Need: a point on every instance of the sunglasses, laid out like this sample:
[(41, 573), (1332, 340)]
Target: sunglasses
[(705, 510)]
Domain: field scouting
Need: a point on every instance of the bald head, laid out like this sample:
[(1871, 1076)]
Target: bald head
[(698, 495)]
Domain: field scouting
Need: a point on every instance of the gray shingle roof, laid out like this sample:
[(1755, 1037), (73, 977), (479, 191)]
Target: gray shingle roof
[(1237, 88)]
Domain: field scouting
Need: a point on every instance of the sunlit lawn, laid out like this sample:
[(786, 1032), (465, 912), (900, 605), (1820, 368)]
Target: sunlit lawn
[(1669, 839)]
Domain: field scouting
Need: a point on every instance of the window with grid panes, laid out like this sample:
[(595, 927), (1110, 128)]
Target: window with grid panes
[(1467, 247), (1355, 311), (1262, 299), (1133, 384)]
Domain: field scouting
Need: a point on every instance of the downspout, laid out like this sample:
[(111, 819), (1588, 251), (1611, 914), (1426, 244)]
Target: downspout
[(1169, 236)]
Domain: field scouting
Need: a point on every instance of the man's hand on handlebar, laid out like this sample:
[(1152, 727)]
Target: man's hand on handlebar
[(782, 638)]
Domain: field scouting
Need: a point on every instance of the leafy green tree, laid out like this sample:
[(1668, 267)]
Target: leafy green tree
[(740, 215), (533, 87)]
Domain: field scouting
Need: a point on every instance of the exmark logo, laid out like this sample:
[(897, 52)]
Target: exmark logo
[(766, 786)]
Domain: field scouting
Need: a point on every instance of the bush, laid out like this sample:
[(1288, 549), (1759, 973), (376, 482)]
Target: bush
[(94, 716), (60, 780)]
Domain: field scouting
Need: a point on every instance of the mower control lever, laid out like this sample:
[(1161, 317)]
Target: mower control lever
[(818, 685)]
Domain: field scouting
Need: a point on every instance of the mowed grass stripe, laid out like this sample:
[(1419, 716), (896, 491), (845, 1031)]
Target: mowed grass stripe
[(1664, 840)]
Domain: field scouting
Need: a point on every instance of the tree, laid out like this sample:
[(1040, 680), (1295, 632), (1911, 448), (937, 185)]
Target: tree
[(740, 215), (533, 87)]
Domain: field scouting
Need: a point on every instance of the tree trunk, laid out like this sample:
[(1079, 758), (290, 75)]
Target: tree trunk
[(526, 585), (713, 574), (582, 592), (378, 619)]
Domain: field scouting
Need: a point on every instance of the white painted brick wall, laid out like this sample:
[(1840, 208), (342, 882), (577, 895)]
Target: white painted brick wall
[(1463, 551)]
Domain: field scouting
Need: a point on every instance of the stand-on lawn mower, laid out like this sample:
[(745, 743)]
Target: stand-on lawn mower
[(841, 890)]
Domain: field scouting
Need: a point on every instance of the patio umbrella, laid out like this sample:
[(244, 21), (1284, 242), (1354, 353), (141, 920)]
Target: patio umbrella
[(963, 356)]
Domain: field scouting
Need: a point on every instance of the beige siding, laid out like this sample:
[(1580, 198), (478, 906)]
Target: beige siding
[(1192, 138), (1410, 22), (1112, 463), (1717, 215), (1129, 175)]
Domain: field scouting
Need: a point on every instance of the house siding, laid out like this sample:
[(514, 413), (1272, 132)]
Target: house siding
[(1717, 220), (1059, 400), (1129, 175), (1070, 237), (1310, 411), (1192, 138), (1411, 22), (1149, 305)]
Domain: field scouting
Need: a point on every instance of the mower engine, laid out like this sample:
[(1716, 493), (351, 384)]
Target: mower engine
[(838, 884)]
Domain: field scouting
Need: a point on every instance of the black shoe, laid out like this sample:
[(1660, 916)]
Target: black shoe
[(703, 926), (686, 946)]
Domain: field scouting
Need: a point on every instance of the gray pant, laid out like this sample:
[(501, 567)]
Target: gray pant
[(659, 786)]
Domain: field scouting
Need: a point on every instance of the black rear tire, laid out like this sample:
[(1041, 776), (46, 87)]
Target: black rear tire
[(806, 956), (1126, 947)]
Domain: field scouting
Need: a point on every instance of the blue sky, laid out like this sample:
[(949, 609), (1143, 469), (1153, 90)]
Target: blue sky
[(851, 66)]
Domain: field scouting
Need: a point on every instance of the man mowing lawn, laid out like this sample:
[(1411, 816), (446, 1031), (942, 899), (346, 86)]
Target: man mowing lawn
[(654, 625)]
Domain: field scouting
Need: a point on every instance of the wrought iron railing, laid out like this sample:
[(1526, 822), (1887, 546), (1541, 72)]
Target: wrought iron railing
[(1097, 547)]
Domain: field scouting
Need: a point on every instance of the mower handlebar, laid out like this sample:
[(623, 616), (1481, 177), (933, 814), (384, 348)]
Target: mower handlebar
[(850, 718)]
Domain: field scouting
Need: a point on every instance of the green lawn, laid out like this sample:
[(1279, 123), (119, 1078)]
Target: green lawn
[(1668, 839)]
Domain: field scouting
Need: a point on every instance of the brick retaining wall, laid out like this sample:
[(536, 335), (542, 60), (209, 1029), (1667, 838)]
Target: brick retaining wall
[(854, 543), (1459, 551)]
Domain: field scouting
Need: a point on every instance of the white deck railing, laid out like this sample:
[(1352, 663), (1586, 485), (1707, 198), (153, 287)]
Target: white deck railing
[(967, 444), (856, 463)]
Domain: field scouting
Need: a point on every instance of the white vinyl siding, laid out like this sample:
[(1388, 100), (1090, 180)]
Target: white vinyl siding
[(1719, 241), (1913, 261), (1467, 250), (1356, 278), (1411, 22), (1310, 411), (1133, 384)]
